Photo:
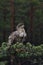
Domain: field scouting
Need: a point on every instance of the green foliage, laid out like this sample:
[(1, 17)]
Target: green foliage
[(28, 51), (3, 63), (22, 50)]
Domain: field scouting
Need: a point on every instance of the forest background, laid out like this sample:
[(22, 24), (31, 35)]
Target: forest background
[(30, 12)]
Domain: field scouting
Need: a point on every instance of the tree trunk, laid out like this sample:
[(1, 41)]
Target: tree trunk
[(12, 23), (4, 25), (12, 15), (31, 23)]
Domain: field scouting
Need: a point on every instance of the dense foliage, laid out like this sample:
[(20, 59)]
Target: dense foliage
[(29, 52), (22, 50)]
